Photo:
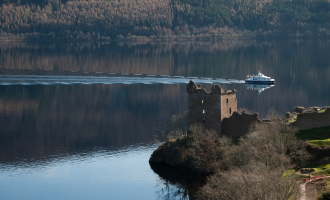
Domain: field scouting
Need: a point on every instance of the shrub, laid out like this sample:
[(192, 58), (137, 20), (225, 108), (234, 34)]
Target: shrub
[(254, 181), (325, 196), (255, 166)]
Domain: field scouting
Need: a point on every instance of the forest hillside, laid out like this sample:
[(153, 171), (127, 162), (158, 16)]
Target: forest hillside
[(104, 19)]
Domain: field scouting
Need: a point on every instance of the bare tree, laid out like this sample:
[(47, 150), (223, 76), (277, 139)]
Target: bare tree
[(254, 181), (256, 165)]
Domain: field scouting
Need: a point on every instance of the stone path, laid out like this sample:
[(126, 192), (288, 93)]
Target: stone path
[(310, 192), (303, 191), (307, 191)]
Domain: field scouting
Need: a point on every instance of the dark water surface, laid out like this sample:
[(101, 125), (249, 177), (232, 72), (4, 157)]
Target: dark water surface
[(93, 141)]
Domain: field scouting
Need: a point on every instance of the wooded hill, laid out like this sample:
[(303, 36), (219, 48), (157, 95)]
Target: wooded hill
[(163, 18)]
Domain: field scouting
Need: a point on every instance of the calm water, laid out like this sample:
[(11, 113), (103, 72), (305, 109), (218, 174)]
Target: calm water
[(93, 141)]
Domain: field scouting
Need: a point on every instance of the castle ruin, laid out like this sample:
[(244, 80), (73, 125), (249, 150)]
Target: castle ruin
[(312, 118), (217, 110), (210, 108)]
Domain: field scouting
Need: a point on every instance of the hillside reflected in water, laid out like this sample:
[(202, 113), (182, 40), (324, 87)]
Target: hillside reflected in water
[(41, 122), (93, 115), (233, 59)]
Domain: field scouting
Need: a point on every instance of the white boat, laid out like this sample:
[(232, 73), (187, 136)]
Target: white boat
[(259, 79)]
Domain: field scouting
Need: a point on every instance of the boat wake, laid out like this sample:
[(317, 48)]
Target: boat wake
[(36, 77)]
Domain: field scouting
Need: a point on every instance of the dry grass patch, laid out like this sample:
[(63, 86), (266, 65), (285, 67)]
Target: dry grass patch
[(322, 189)]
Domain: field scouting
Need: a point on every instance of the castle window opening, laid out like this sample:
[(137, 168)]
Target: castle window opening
[(202, 100), (203, 111), (230, 110), (226, 100)]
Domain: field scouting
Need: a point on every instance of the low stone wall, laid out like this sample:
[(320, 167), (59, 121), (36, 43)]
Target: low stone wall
[(310, 120), (238, 124)]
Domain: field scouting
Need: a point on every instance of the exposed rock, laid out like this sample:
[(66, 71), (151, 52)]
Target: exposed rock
[(313, 109), (288, 115), (299, 109), (306, 171)]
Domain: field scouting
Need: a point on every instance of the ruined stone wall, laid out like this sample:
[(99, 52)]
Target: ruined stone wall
[(217, 110), (238, 124), (210, 108), (228, 103), (313, 120), (205, 108)]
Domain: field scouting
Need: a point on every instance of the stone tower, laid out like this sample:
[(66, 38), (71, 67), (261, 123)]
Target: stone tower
[(209, 108)]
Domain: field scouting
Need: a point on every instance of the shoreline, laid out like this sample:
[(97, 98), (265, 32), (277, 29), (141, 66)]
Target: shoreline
[(224, 34), (201, 156)]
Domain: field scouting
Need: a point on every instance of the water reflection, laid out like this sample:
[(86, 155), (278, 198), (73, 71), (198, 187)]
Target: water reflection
[(135, 58), (99, 174), (40, 121), (259, 87), (226, 59), (46, 126), (177, 183), (82, 141)]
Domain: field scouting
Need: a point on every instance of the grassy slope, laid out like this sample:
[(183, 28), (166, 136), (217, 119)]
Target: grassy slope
[(316, 136), (323, 169)]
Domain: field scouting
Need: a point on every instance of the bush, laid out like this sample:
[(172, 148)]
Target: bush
[(251, 169), (325, 196), (254, 181), (256, 166), (201, 151)]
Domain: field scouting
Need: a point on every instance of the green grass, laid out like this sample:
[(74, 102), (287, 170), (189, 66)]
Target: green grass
[(320, 169), (319, 142), (288, 172), (293, 119), (315, 136), (322, 111)]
